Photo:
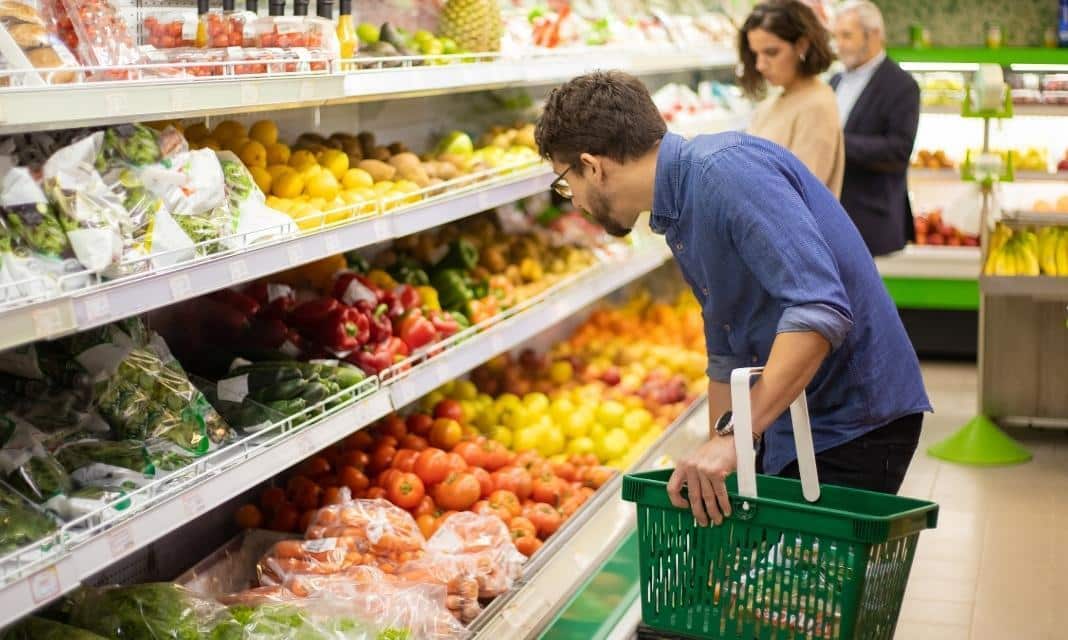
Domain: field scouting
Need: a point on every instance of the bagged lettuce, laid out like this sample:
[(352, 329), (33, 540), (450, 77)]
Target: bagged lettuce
[(28, 467), (20, 523), (153, 611), (37, 628), (106, 464)]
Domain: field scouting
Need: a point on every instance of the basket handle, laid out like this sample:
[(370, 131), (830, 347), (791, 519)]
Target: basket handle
[(741, 405)]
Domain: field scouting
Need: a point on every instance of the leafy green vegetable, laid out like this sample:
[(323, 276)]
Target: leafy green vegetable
[(130, 143), (286, 622), (462, 255), (20, 524), (154, 611), (35, 628), (101, 463)]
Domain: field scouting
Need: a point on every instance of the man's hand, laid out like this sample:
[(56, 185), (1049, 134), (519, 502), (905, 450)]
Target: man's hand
[(703, 473)]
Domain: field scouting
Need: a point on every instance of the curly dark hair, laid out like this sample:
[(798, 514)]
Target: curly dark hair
[(790, 20), (606, 113)]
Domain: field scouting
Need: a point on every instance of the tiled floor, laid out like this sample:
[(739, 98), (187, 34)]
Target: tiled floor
[(996, 568)]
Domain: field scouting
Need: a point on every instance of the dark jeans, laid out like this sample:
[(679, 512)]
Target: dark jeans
[(876, 461)]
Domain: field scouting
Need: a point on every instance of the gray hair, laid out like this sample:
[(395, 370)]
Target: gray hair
[(869, 15)]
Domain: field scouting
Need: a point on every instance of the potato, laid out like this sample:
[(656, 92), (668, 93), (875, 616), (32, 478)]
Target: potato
[(379, 170), (414, 173), (405, 159)]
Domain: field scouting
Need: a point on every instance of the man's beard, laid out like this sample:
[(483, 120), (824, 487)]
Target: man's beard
[(600, 208)]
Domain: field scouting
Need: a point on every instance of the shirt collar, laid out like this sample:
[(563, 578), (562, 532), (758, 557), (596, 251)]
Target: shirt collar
[(868, 67), (666, 187)]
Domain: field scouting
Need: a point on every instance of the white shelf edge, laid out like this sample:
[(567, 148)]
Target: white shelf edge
[(27, 109), (109, 302), (944, 263), (571, 559), (23, 595)]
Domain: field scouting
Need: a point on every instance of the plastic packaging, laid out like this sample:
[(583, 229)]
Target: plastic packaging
[(480, 546), (29, 216), (106, 464), (192, 187), (255, 220), (171, 30), (20, 522), (43, 50), (104, 39), (228, 28), (382, 528), (27, 465), (149, 611), (37, 628)]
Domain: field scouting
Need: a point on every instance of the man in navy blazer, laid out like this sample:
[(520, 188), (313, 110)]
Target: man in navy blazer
[(879, 105)]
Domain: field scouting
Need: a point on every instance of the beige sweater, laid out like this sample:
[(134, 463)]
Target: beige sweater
[(805, 121)]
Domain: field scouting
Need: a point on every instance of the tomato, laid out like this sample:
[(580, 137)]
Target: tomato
[(456, 462), (449, 408), (314, 466), (471, 452), (446, 433), (569, 506), (514, 479), (426, 505), (527, 545), (565, 470), (295, 483), (442, 517), (388, 441), (528, 460), (285, 518), (484, 481), (405, 459), (382, 457), (249, 516), (272, 498), (406, 490), (494, 455), (483, 507), (458, 491), (360, 441), (414, 442), (521, 527), (546, 519), (386, 477), (419, 424), (331, 495), (431, 466), (354, 479), (354, 458), (547, 488), (427, 524), (596, 477), (504, 499), (376, 493), (393, 425)]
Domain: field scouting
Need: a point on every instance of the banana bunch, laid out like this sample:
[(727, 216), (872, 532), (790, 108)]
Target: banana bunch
[(1026, 253)]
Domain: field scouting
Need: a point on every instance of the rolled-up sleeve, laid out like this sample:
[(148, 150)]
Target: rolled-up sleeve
[(720, 366), (777, 238)]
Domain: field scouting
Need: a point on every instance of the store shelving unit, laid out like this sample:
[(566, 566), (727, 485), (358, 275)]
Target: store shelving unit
[(924, 277)]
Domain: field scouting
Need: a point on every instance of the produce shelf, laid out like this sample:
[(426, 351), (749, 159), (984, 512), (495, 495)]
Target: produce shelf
[(1039, 287), (582, 547), (951, 263), (1054, 110), (49, 107), (31, 578), (102, 303), (1034, 218), (1006, 56)]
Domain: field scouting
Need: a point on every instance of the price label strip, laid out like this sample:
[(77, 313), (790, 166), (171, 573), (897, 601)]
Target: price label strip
[(194, 504), (45, 585), (121, 542), (97, 307), (238, 271)]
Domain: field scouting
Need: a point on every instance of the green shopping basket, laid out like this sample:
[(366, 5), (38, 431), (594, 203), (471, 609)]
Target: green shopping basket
[(795, 560)]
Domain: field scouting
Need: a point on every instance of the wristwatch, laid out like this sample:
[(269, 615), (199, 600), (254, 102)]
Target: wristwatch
[(725, 426)]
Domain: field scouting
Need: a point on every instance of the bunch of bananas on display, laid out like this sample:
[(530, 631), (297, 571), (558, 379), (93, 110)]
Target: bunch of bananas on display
[(1027, 253)]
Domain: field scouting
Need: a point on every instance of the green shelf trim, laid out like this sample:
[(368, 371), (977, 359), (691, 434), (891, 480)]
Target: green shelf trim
[(1004, 56), (600, 604), (933, 293)]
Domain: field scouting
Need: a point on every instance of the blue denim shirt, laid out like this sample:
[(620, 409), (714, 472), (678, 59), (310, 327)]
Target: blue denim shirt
[(768, 249)]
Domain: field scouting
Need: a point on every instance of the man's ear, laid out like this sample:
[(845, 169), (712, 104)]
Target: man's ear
[(592, 167)]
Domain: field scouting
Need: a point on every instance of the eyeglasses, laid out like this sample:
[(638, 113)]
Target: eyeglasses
[(560, 185)]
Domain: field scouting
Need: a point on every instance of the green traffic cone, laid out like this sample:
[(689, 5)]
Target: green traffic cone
[(981, 443)]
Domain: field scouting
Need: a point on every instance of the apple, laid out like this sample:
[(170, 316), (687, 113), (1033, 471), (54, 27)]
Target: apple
[(936, 239), (953, 241), (922, 226), (921, 238), (969, 241)]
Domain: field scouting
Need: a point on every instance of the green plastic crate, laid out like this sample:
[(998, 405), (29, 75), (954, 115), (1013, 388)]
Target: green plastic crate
[(779, 568)]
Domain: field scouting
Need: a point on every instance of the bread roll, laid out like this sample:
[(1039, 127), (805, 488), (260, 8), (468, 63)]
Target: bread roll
[(12, 12), (47, 58), (28, 36)]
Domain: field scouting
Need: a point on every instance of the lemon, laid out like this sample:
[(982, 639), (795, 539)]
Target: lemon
[(277, 153), (265, 132), (384, 187), (288, 184), (504, 436), (581, 445), (357, 178), (613, 445), (210, 143), (322, 185), (577, 424), (229, 130), (636, 422), (235, 144), (278, 169), (561, 371), (526, 439), (307, 216), (335, 161), (536, 403), (279, 204), (196, 132), (552, 442), (302, 159), (253, 154), (466, 390), (610, 414), (262, 177)]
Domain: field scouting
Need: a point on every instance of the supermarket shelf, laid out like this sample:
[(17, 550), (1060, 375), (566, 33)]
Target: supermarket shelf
[(49, 107), (208, 484), (581, 548), (953, 175), (953, 263), (1052, 110), (1006, 56), (1034, 218), (123, 298), (1039, 287)]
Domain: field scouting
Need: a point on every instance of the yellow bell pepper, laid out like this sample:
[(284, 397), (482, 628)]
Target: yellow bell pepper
[(381, 279), (429, 296), (318, 275)]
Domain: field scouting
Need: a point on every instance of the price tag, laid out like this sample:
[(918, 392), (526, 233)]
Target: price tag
[(181, 99), (332, 244), (44, 585), (97, 307), (295, 253), (47, 322), (250, 94), (307, 90), (238, 271), (116, 104), (194, 504), (121, 542), (181, 287)]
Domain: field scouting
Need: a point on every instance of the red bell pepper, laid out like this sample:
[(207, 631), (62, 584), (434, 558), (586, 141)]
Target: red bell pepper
[(416, 331), (267, 333), (381, 325), (351, 288), (276, 300), (247, 305), (374, 360), (344, 329), (313, 312), (408, 297), (445, 324)]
